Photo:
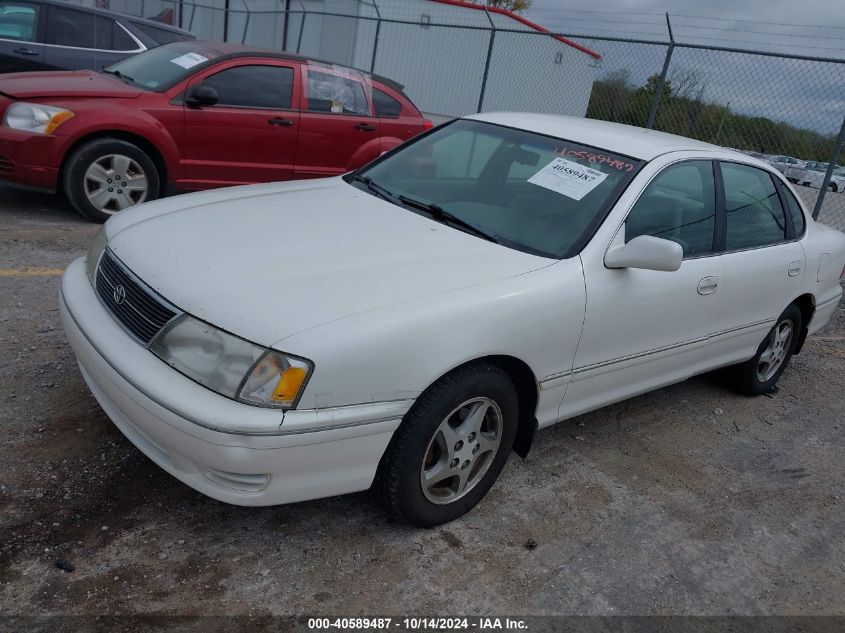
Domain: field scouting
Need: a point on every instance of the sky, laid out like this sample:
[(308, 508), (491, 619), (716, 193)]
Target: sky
[(810, 27), (810, 94)]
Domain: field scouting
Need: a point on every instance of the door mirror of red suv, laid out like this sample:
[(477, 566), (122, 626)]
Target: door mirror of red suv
[(201, 96)]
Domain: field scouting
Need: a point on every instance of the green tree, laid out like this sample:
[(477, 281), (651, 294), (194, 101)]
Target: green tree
[(684, 111), (510, 5)]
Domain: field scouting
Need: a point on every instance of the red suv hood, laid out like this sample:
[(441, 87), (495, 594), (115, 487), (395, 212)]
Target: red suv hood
[(80, 83)]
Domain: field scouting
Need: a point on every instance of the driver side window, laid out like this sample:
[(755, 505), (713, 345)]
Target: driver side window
[(253, 87), (678, 205)]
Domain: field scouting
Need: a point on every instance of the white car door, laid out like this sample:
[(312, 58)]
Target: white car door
[(763, 260), (644, 328)]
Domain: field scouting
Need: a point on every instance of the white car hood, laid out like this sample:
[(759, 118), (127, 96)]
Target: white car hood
[(268, 261)]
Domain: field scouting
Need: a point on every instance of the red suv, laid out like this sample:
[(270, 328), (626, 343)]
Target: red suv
[(194, 115)]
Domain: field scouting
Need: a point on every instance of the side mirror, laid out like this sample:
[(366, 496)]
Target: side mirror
[(201, 96), (646, 252)]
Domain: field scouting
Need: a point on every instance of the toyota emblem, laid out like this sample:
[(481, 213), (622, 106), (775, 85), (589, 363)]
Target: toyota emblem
[(119, 294)]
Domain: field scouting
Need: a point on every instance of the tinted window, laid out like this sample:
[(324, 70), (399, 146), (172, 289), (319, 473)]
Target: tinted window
[(386, 106), (79, 29), (754, 214), (121, 41), (799, 223), (678, 205), (18, 21), (530, 192), (332, 93), (162, 36), (253, 86)]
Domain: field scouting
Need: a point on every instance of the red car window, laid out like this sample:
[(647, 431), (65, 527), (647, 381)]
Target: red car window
[(253, 86), (328, 92)]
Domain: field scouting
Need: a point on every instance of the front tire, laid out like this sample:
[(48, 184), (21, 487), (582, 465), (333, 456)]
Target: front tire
[(106, 175), (759, 374), (451, 446)]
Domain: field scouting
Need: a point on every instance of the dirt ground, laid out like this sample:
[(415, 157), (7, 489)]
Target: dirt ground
[(688, 500)]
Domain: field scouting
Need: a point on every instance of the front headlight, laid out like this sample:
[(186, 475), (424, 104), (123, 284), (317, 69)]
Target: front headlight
[(35, 117), (95, 250), (231, 366)]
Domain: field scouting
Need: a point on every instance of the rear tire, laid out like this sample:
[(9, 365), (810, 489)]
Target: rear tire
[(759, 374), (451, 446), (106, 175)]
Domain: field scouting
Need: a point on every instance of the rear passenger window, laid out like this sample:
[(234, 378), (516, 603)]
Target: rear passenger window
[(799, 224), (678, 205), (754, 215), (121, 41), (333, 93), (18, 21), (79, 29), (162, 36), (386, 106), (253, 86)]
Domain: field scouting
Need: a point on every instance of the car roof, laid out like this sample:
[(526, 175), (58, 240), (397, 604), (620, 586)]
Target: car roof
[(229, 50), (116, 14), (628, 140)]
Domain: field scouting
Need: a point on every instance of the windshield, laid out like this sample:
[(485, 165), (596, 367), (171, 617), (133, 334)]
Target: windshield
[(535, 193), (161, 68)]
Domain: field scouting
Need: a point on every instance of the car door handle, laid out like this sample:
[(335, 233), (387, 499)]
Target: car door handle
[(794, 268), (708, 285), (25, 51), (280, 122), (365, 127)]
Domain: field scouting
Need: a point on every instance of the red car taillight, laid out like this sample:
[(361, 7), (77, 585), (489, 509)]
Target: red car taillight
[(427, 125)]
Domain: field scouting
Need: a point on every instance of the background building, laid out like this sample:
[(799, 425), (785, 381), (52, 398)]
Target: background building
[(437, 48)]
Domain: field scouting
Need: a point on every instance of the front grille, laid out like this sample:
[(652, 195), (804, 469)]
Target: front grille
[(136, 307), (6, 164)]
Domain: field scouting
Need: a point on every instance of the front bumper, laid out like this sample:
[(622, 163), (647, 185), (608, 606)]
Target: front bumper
[(29, 160), (232, 452)]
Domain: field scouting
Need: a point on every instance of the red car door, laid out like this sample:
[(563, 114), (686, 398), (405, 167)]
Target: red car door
[(338, 132), (250, 134)]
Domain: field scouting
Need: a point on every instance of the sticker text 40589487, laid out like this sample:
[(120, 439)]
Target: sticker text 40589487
[(610, 161)]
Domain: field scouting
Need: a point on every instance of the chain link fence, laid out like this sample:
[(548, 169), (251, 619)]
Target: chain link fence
[(454, 60)]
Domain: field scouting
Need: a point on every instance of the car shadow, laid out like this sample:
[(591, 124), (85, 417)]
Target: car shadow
[(38, 204)]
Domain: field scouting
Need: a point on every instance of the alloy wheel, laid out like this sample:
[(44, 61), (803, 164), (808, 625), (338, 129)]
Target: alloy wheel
[(115, 182), (779, 342), (461, 450)]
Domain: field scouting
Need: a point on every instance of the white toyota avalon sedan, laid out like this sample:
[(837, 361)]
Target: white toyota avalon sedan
[(412, 323)]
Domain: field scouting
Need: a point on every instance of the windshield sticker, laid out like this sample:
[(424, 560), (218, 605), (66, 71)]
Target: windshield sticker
[(567, 178), (189, 60), (610, 161)]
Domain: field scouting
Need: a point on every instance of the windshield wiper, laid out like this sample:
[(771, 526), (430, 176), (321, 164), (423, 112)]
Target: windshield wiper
[(442, 215), (119, 75), (380, 191)]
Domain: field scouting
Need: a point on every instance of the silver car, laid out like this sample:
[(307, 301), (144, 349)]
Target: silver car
[(792, 168)]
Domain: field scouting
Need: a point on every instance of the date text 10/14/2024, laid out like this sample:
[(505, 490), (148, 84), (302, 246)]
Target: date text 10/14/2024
[(417, 624)]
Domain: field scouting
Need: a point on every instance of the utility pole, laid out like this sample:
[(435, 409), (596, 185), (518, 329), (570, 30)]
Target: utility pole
[(655, 101), (285, 28)]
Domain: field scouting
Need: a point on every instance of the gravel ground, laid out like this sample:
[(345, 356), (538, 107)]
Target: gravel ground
[(687, 500)]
